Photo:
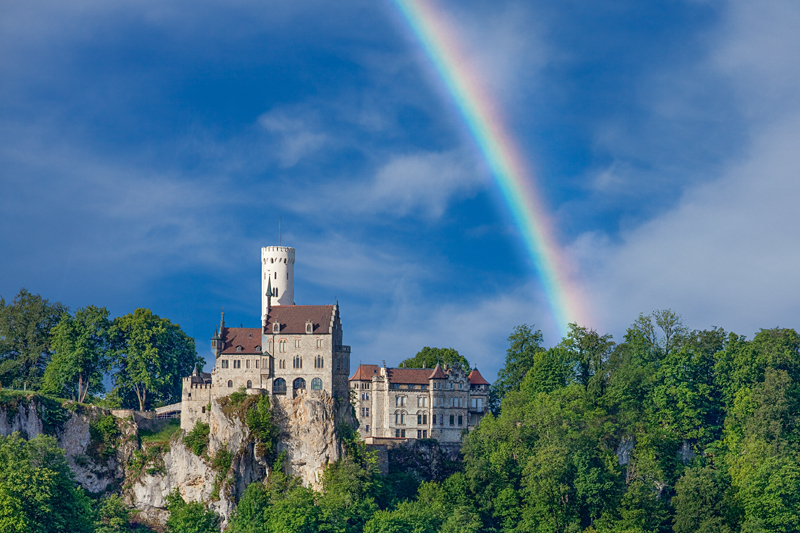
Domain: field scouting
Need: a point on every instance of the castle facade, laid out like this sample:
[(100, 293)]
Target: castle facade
[(298, 350)]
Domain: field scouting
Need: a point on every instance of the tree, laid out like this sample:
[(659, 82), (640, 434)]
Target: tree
[(190, 517), (589, 352), (152, 357), (82, 352), (524, 344), (37, 488), (700, 505), (25, 326), (430, 357)]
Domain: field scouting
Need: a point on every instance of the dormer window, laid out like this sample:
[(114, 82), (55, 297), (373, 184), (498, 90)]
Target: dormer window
[(258, 349), (239, 348), (309, 327), (276, 327)]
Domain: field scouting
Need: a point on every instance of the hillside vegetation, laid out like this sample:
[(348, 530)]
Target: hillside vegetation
[(669, 430)]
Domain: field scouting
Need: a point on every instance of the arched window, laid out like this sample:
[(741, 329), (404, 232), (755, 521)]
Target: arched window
[(249, 384), (319, 362), (299, 383), (282, 346), (279, 386), (316, 384), (230, 383), (297, 362)]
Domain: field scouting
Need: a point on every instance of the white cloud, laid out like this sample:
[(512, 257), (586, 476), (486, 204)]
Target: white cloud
[(476, 328), (727, 254), (299, 135)]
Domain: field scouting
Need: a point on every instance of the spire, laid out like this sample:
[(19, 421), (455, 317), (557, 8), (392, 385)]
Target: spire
[(222, 321)]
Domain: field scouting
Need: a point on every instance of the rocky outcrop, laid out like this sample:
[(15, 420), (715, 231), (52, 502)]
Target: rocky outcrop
[(308, 434), (32, 415), (147, 472)]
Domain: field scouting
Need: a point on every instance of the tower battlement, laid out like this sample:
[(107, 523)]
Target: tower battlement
[(277, 276)]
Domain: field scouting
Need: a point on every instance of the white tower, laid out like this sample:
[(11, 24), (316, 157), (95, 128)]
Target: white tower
[(277, 276)]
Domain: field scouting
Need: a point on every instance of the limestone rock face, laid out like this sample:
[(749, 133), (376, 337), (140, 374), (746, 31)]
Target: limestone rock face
[(94, 473), (307, 425), (308, 434)]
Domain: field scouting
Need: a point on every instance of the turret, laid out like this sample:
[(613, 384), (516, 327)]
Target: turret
[(277, 277)]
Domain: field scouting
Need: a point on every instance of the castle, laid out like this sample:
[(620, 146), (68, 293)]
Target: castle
[(298, 350)]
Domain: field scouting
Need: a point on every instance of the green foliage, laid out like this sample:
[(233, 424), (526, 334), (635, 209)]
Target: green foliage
[(197, 439), (104, 434), (82, 350), (152, 356), (112, 516), (190, 517), (37, 490), (524, 344), (25, 348), (221, 464), (160, 436), (430, 357), (262, 429)]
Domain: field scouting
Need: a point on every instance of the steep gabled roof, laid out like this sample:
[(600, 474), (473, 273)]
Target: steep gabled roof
[(438, 373), (247, 338), (292, 318), (365, 372), (475, 378)]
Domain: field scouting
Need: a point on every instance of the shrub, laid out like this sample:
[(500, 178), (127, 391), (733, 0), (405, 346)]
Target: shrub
[(265, 432), (197, 439), (104, 434)]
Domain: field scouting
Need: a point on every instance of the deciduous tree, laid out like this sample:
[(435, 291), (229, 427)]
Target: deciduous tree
[(152, 357), (25, 326), (82, 351)]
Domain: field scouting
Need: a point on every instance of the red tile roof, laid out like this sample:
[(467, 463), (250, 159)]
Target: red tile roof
[(247, 338), (409, 375), (292, 318), (365, 372), (438, 373), (475, 378)]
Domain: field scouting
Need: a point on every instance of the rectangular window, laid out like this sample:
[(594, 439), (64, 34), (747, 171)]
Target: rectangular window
[(223, 363), (237, 364), (362, 411), (366, 410), (452, 420), (479, 404), (411, 386), (256, 363), (367, 428), (247, 363), (460, 420), (319, 343), (424, 433), (403, 433), (422, 401), (297, 343), (473, 403)]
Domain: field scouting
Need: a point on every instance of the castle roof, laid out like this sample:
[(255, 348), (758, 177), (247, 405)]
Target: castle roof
[(438, 373), (475, 378), (409, 375), (293, 318), (365, 372), (247, 338)]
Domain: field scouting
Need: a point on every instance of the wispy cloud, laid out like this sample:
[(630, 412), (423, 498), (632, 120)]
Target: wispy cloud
[(726, 254)]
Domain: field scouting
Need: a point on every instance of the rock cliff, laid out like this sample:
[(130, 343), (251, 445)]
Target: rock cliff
[(146, 470)]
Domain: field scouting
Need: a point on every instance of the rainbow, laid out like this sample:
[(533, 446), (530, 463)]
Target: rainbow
[(500, 152)]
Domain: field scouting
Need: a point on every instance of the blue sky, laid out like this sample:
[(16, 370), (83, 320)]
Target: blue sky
[(148, 150)]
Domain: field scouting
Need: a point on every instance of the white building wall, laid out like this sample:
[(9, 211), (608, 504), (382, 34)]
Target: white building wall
[(277, 273)]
